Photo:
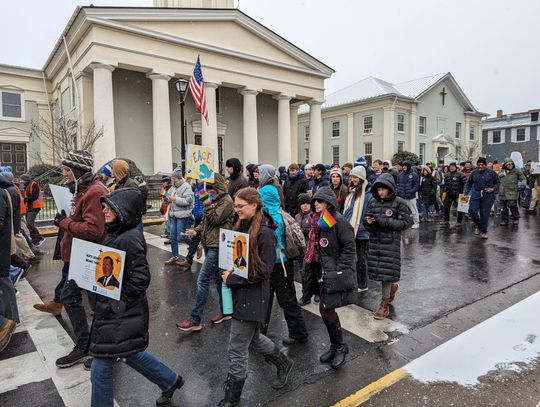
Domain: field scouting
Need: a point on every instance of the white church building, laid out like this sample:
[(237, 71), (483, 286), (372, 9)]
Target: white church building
[(117, 67), (429, 116)]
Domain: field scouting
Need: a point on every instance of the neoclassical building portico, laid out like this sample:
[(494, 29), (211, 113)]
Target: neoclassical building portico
[(125, 62)]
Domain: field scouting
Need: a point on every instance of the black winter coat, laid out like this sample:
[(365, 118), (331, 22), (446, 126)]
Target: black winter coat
[(428, 189), (250, 298), (319, 183), (454, 183), (5, 233), (407, 184), (120, 328), (6, 182), (392, 215), (291, 189)]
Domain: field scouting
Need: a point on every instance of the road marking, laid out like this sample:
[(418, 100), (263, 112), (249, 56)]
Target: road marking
[(355, 319), (20, 370), (370, 390)]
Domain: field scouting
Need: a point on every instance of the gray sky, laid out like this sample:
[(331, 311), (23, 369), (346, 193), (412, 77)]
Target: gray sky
[(490, 46)]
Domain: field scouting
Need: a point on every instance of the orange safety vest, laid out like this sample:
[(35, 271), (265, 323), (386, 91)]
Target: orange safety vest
[(38, 203), (23, 205)]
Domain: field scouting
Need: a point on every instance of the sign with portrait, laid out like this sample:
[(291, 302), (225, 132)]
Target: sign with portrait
[(463, 203), (97, 268), (200, 163), (234, 251)]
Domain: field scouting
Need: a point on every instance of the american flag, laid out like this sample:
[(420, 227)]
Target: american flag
[(196, 87)]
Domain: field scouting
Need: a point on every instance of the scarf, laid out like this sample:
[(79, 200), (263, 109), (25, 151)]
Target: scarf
[(312, 249), (353, 207)]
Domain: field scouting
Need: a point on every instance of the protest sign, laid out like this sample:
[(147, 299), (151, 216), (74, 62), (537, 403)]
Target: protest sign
[(200, 163), (63, 198), (97, 268), (234, 251), (535, 168), (463, 203)]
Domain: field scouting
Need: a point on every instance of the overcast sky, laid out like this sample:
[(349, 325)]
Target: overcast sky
[(490, 46)]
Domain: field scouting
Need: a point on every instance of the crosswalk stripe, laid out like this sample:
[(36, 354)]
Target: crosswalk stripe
[(20, 370), (355, 319)]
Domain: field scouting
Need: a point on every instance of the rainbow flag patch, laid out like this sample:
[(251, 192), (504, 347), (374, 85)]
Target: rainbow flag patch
[(326, 221), (204, 197)]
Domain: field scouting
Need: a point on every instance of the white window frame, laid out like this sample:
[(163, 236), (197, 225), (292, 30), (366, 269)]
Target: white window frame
[(370, 130), (368, 155), (402, 115), (527, 134), (23, 113), (472, 132), (491, 133), (306, 151), (422, 152), (306, 134), (458, 130), (334, 161), (402, 144), (422, 129), (332, 129)]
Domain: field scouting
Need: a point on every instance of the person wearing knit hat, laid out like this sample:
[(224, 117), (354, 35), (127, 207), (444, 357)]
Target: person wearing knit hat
[(86, 221), (355, 207), (340, 190), (310, 286), (360, 161), (120, 172), (106, 175), (482, 185)]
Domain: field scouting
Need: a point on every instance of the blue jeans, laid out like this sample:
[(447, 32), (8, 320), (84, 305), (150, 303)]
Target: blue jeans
[(426, 210), (209, 271), (143, 362), (177, 227), (479, 208)]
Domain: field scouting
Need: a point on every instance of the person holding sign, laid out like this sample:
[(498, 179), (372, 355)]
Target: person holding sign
[(120, 328), (250, 298)]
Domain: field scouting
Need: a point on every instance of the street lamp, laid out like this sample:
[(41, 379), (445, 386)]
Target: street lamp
[(181, 87)]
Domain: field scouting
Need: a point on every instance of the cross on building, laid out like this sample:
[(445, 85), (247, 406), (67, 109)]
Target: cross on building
[(443, 93)]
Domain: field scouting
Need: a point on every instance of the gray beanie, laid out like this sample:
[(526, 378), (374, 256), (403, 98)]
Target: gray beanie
[(177, 173), (359, 172), (26, 177)]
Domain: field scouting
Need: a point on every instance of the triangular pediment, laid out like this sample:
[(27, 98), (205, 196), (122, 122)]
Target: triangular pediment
[(12, 131)]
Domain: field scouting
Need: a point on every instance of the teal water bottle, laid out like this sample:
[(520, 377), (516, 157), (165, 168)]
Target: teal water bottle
[(226, 297)]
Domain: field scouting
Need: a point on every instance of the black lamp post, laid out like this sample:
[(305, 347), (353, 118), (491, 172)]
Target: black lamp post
[(181, 87)]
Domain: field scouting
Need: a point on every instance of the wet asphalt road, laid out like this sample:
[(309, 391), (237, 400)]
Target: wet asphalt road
[(443, 270)]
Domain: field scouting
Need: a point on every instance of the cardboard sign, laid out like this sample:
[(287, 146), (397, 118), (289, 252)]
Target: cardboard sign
[(200, 163), (97, 268), (63, 198), (535, 168), (463, 203), (234, 251)]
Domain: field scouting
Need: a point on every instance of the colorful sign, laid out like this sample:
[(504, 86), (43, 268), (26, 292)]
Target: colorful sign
[(233, 251), (200, 163)]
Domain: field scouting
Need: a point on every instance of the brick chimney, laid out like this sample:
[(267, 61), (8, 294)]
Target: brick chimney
[(499, 113)]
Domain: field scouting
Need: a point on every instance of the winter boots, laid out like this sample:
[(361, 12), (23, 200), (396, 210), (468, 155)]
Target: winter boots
[(338, 349), (284, 366), (384, 309), (50, 307), (393, 291), (233, 390)]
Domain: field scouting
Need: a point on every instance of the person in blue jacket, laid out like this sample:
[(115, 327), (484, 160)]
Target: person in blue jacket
[(356, 206), (482, 186), (408, 183)]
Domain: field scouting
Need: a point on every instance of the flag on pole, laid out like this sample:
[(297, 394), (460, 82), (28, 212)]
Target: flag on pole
[(196, 87)]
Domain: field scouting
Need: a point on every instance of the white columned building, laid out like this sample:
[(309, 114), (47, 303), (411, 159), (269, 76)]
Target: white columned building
[(284, 129), (250, 139), (161, 119), (209, 130), (315, 131), (105, 148)]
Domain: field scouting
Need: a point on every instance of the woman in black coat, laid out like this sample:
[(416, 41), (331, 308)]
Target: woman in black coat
[(250, 298), (387, 215), (120, 328), (427, 191), (331, 252)]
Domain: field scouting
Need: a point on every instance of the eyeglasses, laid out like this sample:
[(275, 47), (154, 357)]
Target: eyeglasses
[(239, 207)]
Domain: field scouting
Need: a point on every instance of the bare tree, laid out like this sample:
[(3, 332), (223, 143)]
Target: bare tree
[(464, 151), (59, 135)]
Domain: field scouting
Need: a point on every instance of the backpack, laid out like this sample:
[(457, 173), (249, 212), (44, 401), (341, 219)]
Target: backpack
[(295, 244)]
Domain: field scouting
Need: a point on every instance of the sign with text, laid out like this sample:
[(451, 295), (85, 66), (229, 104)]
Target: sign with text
[(234, 251), (97, 268), (63, 198), (200, 163)]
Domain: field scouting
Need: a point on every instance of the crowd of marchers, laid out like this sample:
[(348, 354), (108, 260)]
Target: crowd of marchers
[(336, 226)]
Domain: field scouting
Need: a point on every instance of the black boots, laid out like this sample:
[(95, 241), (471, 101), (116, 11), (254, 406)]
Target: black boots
[(338, 349), (284, 366), (233, 390), (166, 396)]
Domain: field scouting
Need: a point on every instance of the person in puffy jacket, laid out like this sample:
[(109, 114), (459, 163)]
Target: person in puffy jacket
[(508, 191), (294, 185), (454, 183), (250, 298), (120, 328), (407, 188), (427, 191), (310, 286), (331, 253), (387, 216)]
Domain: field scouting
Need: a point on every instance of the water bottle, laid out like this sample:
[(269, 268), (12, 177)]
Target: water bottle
[(226, 297)]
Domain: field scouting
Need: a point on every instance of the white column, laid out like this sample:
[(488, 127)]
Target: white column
[(465, 150), (161, 119), (105, 147), (250, 136), (284, 129), (315, 132), (294, 133), (350, 137), (209, 131), (412, 130), (389, 133)]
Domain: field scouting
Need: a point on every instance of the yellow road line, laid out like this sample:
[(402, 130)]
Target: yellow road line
[(371, 389)]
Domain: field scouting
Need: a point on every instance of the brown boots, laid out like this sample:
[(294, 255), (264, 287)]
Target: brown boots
[(50, 307), (384, 309)]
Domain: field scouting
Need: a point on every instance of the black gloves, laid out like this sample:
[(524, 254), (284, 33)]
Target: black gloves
[(59, 217)]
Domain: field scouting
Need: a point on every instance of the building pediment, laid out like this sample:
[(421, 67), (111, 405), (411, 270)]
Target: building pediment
[(14, 135)]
